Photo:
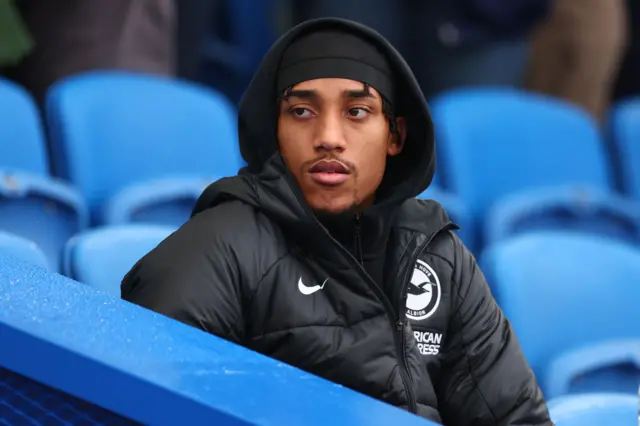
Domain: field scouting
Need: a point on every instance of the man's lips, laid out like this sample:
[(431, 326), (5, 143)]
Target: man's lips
[(332, 166), (329, 173)]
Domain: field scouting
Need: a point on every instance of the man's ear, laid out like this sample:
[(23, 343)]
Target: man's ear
[(396, 139)]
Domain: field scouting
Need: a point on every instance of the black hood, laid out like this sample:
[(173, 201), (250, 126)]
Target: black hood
[(266, 184)]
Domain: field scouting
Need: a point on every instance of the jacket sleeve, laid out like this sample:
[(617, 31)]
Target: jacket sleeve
[(486, 379), (193, 277)]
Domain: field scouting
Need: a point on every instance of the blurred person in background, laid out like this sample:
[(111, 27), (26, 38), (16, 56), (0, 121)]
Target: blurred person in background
[(462, 43), (318, 254), (15, 40), (42, 41), (195, 19), (449, 43), (628, 81), (577, 53)]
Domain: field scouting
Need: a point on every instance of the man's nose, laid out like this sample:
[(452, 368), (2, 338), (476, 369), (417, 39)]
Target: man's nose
[(330, 135)]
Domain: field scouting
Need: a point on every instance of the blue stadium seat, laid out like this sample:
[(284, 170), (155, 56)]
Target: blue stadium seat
[(23, 249), (495, 142), (22, 143), (101, 257), (595, 410), (162, 202), (571, 295), (609, 366), (455, 209), (43, 210), (110, 130), (577, 208), (32, 204), (624, 128)]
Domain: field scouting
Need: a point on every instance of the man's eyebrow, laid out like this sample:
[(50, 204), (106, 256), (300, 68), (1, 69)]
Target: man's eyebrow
[(312, 94), (359, 94), (300, 94)]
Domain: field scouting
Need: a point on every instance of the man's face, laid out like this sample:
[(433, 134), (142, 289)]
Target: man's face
[(335, 139)]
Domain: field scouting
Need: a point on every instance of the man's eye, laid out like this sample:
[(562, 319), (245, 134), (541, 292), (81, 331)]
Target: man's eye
[(358, 112), (301, 112)]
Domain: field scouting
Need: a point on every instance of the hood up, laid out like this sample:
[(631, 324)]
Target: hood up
[(267, 185)]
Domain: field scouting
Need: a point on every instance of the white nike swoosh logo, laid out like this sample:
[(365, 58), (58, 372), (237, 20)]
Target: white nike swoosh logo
[(306, 290)]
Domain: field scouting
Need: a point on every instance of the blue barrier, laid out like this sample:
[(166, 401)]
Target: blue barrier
[(68, 351)]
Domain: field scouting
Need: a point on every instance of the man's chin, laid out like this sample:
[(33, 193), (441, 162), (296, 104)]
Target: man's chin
[(335, 213)]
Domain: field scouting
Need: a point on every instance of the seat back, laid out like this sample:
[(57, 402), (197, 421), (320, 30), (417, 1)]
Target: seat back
[(595, 410), (32, 205), (609, 365), (23, 249), (41, 209), (101, 257), (22, 142), (577, 208), (563, 290), (495, 142), (169, 201), (621, 377), (624, 134), (110, 130)]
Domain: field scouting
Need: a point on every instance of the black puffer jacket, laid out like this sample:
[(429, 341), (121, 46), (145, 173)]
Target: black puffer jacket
[(256, 267)]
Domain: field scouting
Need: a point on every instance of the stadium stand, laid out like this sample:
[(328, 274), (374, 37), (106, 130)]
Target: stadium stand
[(32, 203), (101, 257), (496, 142), (564, 207), (624, 135), (573, 301), (21, 124), (110, 130), (595, 410), (166, 202)]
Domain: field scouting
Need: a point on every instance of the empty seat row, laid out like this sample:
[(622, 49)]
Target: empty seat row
[(498, 143), (98, 257), (564, 207), (33, 204), (130, 147), (112, 130), (123, 147), (109, 131), (573, 301), (101, 257)]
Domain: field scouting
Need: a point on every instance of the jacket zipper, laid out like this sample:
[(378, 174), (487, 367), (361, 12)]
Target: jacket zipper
[(358, 242), (403, 295), (398, 333)]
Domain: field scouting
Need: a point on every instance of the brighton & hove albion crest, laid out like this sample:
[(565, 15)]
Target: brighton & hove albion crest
[(423, 294)]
